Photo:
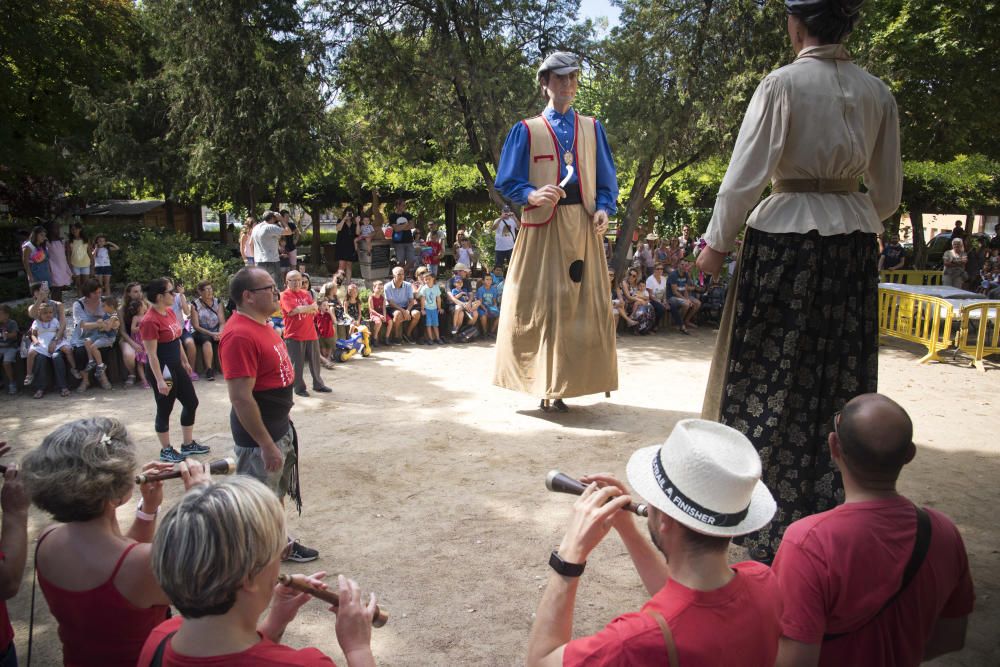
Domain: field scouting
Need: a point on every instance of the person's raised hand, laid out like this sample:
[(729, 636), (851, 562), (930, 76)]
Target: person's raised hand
[(601, 222), (152, 492), (287, 601), (194, 473), (547, 195), (354, 619), (13, 497), (593, 515), (622, 520), (710, 260)]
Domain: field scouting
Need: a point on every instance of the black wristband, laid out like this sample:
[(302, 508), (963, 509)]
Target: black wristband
[(563, 568)]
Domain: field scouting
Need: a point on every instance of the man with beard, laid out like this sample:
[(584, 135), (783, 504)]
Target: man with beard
[(702, 487)]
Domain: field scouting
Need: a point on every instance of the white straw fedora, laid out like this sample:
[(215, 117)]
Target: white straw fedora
[(707, 477)]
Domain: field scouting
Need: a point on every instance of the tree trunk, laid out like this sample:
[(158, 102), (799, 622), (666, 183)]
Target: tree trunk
[(970, 224), (223, 228), (197, 223), (636, 203), (919, 245), (316, 250), (451, 220), (168, 207)]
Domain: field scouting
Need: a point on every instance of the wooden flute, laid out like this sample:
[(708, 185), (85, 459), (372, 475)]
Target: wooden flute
[(300, 583), (226, 466), (563, 483)]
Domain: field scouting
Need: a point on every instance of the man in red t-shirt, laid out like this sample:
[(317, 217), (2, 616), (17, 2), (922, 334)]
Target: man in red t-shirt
[(841, 571), (259, 377), (298, 308), (14, 502), (703, 487)]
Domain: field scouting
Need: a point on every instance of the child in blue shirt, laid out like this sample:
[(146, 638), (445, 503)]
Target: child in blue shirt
[(464, 306), (430, 306), (489, 309)]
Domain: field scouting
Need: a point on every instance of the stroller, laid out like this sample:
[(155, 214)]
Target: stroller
[(713, 301), (359, 341)]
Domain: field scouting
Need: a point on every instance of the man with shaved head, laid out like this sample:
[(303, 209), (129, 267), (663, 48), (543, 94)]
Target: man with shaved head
[(877, 580)]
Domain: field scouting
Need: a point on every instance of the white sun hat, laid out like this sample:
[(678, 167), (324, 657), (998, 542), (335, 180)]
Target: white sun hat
[(707, 477)]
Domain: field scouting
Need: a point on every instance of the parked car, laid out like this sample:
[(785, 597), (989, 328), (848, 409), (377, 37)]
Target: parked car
[(942, 242)]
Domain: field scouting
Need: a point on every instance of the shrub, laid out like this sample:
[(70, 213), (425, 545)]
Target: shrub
[(191, 269), (13, 288), (153, 253)]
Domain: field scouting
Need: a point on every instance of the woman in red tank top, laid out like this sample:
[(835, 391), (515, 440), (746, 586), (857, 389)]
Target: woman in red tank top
[(98, 583)]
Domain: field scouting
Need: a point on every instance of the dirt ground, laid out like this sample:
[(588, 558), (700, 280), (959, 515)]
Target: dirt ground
[(425, 483)]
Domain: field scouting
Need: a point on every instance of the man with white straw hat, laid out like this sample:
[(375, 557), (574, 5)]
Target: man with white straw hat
[(702, 487)]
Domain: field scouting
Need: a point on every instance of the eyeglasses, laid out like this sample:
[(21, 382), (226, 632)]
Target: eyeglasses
[(836, 424), (272, 287)]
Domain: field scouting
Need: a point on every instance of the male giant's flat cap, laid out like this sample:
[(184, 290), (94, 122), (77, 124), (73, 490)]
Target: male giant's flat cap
[(560, 62)]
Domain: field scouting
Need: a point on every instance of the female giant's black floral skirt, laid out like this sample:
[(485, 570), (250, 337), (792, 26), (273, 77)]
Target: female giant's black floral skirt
[(799, 339)]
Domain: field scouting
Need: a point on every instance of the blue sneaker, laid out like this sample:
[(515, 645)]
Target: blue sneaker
[(171, 455), (194, 448)]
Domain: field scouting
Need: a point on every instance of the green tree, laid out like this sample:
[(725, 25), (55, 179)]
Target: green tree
[(45, 48), (444, 80), (939, 59), (243, 82), (672, 82)]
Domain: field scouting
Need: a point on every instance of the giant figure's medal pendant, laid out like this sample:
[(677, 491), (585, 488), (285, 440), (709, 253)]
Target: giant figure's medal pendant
[(567, 158)]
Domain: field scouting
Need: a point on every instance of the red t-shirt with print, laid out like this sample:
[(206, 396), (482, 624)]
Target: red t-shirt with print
[(264, 653), (248, 348), (161, 328), (737, 624), (303, 325)]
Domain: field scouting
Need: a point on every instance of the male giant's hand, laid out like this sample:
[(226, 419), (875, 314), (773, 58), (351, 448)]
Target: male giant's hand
[(547, 195), (593, 516), (601, 222)]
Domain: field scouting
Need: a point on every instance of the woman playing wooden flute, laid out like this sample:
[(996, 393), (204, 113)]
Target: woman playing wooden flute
[(97, 580), (217, 556)]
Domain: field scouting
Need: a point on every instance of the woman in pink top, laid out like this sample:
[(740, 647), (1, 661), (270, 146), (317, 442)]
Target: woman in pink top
[(98, 582)]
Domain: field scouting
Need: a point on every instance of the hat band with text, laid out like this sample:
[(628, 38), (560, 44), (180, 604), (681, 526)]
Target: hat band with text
[(690, 507)]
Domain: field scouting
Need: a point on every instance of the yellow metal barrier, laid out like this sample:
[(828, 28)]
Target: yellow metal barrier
[(917, 318), (911, 277), (987, 333)]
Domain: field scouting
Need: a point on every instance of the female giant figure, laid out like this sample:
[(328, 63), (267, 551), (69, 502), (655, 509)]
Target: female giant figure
[(800, 332)]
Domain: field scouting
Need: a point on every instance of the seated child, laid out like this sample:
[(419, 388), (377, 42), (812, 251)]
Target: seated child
[(376, 311), (8, 346), (97, 339), (489, 310), (464, 305), (45, 341), (430, 306), (134, 312), (365, 234)]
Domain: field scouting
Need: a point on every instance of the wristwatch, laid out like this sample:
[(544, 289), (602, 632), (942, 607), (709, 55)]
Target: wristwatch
[(563, 568)]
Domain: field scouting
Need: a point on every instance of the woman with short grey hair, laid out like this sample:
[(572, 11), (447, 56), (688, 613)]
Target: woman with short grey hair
[(217, 556), (98, 582)]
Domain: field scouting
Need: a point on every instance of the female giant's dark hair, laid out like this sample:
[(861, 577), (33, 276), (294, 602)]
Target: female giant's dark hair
[(830, 21)]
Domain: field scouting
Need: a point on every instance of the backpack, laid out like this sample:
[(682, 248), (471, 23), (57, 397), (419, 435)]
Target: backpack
[(468, 333)]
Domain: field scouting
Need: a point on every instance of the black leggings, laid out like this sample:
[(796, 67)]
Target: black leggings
[(182, 389)]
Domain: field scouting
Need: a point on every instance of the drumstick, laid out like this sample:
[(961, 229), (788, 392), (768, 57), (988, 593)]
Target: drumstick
[(300, 583), (562, 483), (226, 466)]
